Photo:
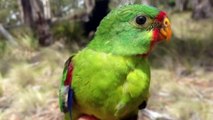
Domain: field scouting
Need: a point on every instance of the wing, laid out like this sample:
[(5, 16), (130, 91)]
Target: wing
[(135, 89), (65, 91)]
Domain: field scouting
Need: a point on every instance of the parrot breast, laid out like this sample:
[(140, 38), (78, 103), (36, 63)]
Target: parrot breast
[(109, 86)]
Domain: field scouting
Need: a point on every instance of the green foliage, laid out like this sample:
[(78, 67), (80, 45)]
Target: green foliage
[(3, 14), (28, 42), (25, 38), (6, 6), (172, 1), (2, 47), (70, 30), (20, 31)]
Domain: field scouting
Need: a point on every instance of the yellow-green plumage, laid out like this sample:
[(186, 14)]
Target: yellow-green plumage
[(110, 77), (109, 86)]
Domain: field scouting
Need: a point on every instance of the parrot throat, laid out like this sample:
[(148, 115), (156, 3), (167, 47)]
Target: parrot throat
[(155, 40)]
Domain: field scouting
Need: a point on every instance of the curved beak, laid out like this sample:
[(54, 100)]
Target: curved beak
[(165, 30)]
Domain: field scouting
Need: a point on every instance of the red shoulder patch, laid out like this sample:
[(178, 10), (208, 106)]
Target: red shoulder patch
[(69, 68)]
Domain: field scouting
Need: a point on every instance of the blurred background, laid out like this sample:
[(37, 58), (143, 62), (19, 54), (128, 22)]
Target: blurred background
[(37, 36)]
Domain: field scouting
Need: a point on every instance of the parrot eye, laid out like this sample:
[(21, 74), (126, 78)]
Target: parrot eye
[(140, 20)]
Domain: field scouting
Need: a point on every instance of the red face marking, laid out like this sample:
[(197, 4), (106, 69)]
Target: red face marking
[(156, 33), (160, 16)]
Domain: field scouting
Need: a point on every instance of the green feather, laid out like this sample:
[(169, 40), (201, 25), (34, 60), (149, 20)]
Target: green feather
[(62, 90), (110, 80)]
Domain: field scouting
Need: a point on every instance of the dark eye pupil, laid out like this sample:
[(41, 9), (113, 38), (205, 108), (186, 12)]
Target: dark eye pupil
[(140, 20)]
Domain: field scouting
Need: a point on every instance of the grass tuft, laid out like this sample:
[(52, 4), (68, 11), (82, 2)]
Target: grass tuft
[(28, 100)]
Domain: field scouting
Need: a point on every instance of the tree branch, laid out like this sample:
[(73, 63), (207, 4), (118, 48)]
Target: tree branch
[(8, 36)]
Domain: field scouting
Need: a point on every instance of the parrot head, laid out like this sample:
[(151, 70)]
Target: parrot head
[(131, 30)]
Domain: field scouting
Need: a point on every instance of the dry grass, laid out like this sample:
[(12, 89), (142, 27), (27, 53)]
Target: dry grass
[(29, 80), (186, 28), (182, 97)]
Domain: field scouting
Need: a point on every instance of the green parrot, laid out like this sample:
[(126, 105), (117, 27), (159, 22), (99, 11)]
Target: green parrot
[(109, 79)]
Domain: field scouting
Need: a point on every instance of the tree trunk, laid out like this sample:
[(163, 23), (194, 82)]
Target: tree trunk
[(27, 13), (21, 16), (202, 9), (97, 13), (37, 16), (47, 10), (8, 36), (182, 5)]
